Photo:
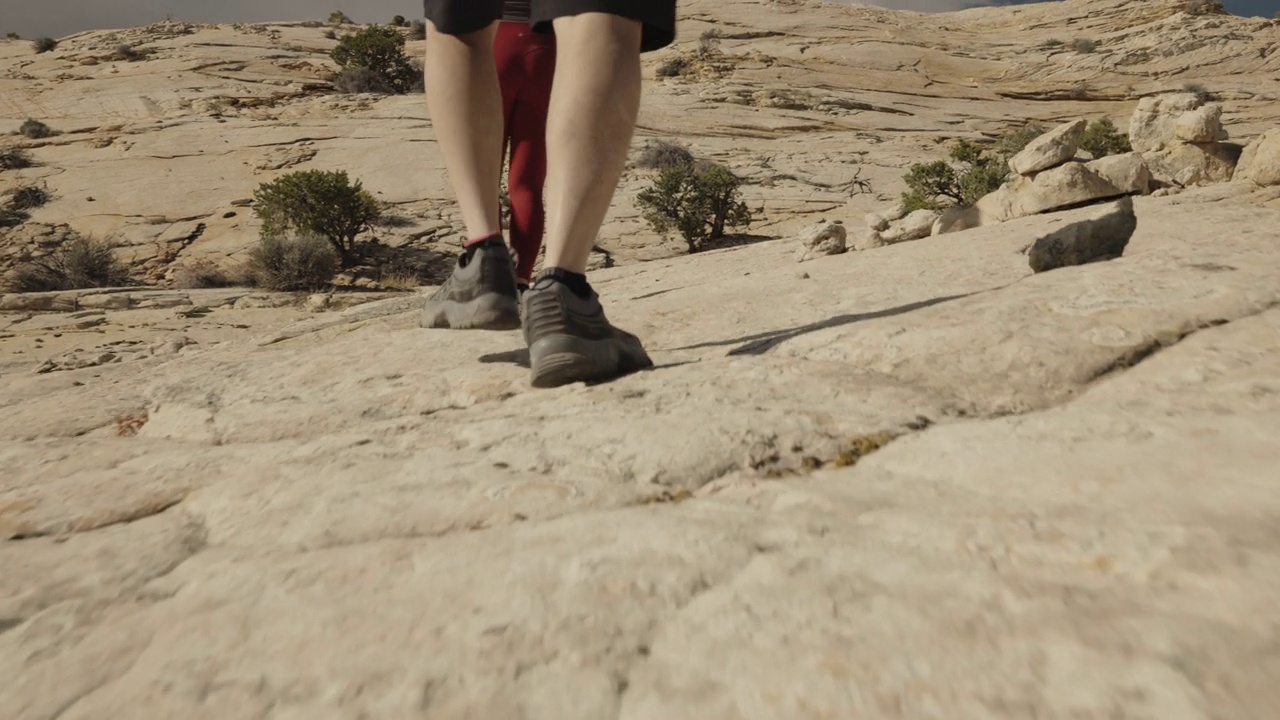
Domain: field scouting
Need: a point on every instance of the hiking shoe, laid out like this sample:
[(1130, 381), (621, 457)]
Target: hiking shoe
[(570, 339), (480, 294)]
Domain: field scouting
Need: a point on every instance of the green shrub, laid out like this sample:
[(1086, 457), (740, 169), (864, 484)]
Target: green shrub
[(355, 80), (1012, 143), (936, 185), (660, 154), (78, 264), (317, 203), (417, 30), (202, 273), (287, 264), (697, 199), (13, 36), (36, 130), (337, 17), (43, 44), (330, 34), (15, 158), (1084, 46), (381, 50), (1101, 138), (399, 21)]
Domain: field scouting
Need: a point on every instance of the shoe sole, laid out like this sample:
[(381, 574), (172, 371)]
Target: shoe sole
[(564, 360), (487, 312)]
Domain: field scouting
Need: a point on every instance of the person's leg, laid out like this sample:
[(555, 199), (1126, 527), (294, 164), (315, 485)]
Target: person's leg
[(594, 103), (465, 104), (529, 153)]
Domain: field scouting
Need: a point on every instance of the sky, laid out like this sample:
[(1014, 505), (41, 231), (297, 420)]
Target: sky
[(58, 18)]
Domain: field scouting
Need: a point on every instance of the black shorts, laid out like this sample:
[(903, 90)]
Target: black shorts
[(457, 17)]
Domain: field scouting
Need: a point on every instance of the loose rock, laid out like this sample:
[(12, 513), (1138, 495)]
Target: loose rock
[(1260, 162), (1128, 173), (1102, 236), (821, 241), (1050, 149)]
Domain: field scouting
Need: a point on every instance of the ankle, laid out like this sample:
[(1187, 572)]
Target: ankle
[(577, 282)]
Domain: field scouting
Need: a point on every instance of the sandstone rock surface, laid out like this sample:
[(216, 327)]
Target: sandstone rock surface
[(390, 519), (922, 482)]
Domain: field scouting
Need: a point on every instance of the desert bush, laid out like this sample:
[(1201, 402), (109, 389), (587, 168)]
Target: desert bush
[(128, 53), (304, 262), (698, 199), (204, 273), (709, 42), (674, 67), (1084, 46), (1101, 138), (317, 203), (399, 21), (358, 79), (79, 263), (1052, 43), (337, 17), (43, 44), (661, 154), (15, 158), (381, 50), (35, 130), (29, 197), (330, 34), (10, 217), (1205, 7), (936, 185), (1012, 143), (13, 36), (1200, 91), (417, 30)]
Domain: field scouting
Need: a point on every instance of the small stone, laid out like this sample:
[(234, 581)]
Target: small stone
[(880, 220), (1102, 236)]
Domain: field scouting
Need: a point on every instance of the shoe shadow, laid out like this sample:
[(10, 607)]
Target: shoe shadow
[(520, 358), (514, 357)]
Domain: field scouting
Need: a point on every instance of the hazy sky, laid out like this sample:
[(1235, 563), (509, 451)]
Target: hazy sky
[(57, 18)]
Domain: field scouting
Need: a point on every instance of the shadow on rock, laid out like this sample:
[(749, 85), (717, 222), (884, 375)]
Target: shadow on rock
[(762, 343)]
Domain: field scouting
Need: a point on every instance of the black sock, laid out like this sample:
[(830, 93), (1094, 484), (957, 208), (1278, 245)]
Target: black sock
[(577, 282)]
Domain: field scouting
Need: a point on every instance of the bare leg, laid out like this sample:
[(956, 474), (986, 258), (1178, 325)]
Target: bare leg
[(465, 104), (594, 103)]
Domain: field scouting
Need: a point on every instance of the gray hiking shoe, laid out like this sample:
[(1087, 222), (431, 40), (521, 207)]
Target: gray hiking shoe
[(570, 339), (479, 295)]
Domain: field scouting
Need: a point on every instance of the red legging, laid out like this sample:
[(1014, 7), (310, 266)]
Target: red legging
[(526, 65)]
